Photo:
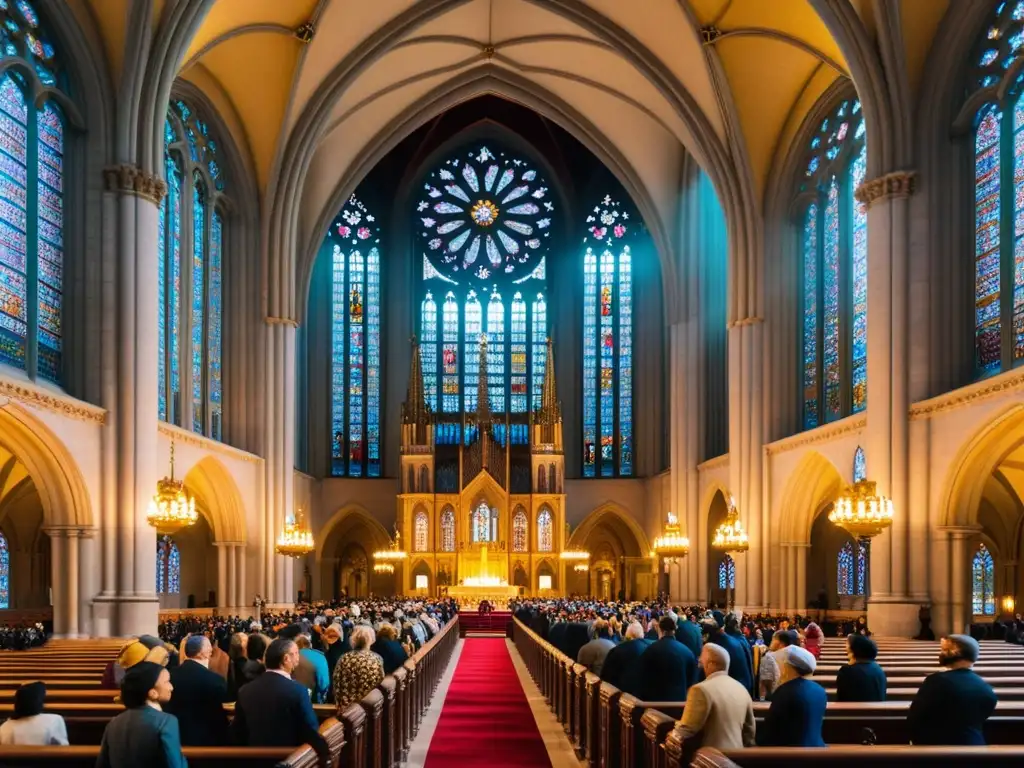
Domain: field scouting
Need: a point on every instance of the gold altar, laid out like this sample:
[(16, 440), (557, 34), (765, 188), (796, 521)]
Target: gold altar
[(485, 579)]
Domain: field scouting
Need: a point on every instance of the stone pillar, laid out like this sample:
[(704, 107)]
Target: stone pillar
[(800, 551), (960, 537), (230, 595), (223, 550), (279, 409), (60, 579), (72, 575), (891, 609)]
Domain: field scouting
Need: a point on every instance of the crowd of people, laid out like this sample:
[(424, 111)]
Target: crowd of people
[(22, 638), (273, 666), (719, 663)]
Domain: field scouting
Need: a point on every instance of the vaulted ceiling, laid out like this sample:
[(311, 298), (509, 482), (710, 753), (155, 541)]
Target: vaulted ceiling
[(776, 58)]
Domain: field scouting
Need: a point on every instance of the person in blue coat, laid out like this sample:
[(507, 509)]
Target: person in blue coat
[(741, 664), (862, 679), (951, 706), (667, 668), (798, 704), (688, 633), (389, 649), (621, 666)]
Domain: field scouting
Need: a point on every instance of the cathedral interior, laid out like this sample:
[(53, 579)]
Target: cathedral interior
[(488, 297)]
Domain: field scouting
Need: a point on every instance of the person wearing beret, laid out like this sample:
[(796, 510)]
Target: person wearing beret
[(951, 706), (798, 704), (143, 734)]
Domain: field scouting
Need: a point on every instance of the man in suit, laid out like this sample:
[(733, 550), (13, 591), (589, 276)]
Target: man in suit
[(951, 706), (741, 663), (798, 705), (143, 734), (274, 710), (862, 679), (719, 709), (199, 696), (688, 633), (621, 665), (667, 668), (593, 653)]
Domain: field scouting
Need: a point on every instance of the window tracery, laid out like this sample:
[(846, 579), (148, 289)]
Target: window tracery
[(447, 530), (421, 532), (983, 582), (545, 531), (519, 531), (727, 573)]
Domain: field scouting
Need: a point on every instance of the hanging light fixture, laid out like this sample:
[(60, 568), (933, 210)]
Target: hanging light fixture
[(581, 567), (730, 536), (394, 553), (671, 545), (386, 568), (862, 511), (171, 509), (574, 554), (295, 540)]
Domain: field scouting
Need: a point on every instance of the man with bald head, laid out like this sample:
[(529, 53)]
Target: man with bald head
[(199, 696), (719, 709)]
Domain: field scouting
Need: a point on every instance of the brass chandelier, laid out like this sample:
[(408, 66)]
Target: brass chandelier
[(575, 555), (672, 545), (730, 536), (171, 509), (386, 568), (295, 540), (862, 511), (394, 553)]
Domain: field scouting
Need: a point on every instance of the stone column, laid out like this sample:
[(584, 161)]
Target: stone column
[(960, 537), (279, 409), (891, 610), (800, 551), (223, 550), (232, 580), (60, 580), (240, 585), (72, 575)]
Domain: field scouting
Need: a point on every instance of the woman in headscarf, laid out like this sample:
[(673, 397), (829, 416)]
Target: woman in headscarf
[(29, 725), (813, 637)]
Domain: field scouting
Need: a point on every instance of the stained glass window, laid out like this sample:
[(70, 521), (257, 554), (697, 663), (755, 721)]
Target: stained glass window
[(354, 240), (862, 568), (845, 569), (983, 582), (727, 573), (484, 225), (540, 348), (480, 523), (190, 272), (168, 566), (860, 465), (833, 257), (5, 573), (520, 525), (421, 539), (545, 530), (31, 212), (998, 213), (608, 341), (448, 530), (428, 349)]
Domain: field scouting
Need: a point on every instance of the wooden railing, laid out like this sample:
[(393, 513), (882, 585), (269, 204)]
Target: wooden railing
[(612, 729), (374, 733)]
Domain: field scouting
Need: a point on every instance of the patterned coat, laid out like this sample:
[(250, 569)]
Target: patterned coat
[(355, 675)]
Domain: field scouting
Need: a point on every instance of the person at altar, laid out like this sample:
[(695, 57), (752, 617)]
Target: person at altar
[(486, 607)]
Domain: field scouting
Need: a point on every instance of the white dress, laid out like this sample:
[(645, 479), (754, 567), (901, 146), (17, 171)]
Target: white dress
[(38, 731)]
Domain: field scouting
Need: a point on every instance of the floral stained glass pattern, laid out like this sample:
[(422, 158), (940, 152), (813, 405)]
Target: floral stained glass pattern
[(810, 318), (1018, 229), (480, 523), (517, 356), (450, 355), (173, 569), (447, 530), (845, 570), (471, 361), (520, 525), (540, 348), (496, 352), (198, 299), (589, 363), (421, 540), (428, 349), (215, 313), (355, 342), (168, 566), (860, 465), (862, 568), (987, 223), (50, 239), (14, 297), (625, 368), (983, 582), (999, 46), (859, 259), (727, 573), (5, 573), (830, 320), (545, 531)]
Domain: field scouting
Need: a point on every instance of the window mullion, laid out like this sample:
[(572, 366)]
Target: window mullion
[(186, 236)]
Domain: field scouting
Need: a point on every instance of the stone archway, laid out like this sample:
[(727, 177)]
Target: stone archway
[(613, 538), (351, 526)]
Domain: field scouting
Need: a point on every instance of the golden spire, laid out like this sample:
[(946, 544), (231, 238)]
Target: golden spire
[(550, 409), (415, 409)]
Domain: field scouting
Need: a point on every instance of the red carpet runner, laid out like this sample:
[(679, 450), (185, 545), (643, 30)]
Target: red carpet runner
[(486, 720)]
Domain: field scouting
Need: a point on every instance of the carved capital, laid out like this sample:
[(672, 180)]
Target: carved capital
[(281, 321), (897, 184), (129, 179)]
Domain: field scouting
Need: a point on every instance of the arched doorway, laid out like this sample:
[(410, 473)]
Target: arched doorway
[(837, 567), (25, 577), (719, 568), (619, 556), (345, 548), (354, 568)]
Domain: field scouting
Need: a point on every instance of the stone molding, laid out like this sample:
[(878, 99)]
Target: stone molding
[(200, 441), (744, 321), (131, 180), (715, 463), (31, 395), (896, 184), (281, 321), (820, 434), (1010, 381)]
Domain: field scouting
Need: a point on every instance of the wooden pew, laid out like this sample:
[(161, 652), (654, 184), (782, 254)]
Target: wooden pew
[(857, 757)]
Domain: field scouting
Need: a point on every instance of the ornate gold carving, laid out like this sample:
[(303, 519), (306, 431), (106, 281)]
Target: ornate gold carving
[(897, 184), (65, 406), (131, 180), (818, 435), (199, 441), (281, 321), (964, 396)]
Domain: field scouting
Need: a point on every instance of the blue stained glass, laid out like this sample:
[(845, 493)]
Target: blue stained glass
[(173, 569), (198, 298), (862, 568), (356, 342), (428, 349), (496, 353), (544, 531), (860, 465), (859, 258), (471, 362), (480, 523), (625, 362), (539, 318), (831, 312), (161, 565), (450, 354), (13, 241), (174, 195), (5, 573), (339, 301), (606, 385), (161, 309), (987, 218), (214, 324), (373, 363), (517, 355), (844, 569), (727, 573), (810, 316), (589, 363), (983, 578)]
